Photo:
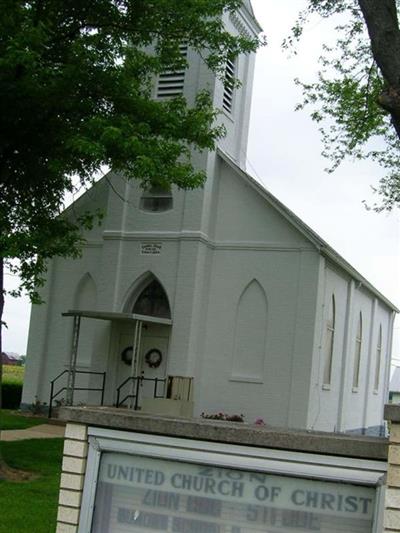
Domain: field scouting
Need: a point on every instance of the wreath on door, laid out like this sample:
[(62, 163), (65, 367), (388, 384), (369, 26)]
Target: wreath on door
[(127, 355), (153, 358)]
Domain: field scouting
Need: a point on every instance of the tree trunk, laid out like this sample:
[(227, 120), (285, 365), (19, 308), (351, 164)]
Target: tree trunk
[(383, 27), (1, 323), (3, 466)]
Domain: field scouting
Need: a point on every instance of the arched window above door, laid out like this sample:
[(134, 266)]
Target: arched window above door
[(152, 301)]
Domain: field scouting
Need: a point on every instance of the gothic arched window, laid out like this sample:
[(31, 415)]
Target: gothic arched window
[(329, 341), (378, 360), (357, 354), (250, 334), (152, 301)]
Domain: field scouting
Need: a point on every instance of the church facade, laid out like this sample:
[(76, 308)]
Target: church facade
[(213, 300)]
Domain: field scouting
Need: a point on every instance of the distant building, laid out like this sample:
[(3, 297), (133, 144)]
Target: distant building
[(8, 359), (394, 387), (222, 289)]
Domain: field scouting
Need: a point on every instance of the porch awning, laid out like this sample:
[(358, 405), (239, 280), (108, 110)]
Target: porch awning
[(117, 317)]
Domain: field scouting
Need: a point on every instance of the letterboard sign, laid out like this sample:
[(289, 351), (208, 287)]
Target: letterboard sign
[(143, 494)]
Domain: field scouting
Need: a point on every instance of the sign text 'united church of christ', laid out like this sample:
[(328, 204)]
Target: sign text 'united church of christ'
[(141, 493)]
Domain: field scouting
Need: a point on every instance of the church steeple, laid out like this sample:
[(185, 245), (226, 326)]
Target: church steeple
[(233, 102)]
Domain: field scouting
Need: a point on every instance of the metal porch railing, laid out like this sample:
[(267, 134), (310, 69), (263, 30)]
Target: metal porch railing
[(136, 383), (53, 395)]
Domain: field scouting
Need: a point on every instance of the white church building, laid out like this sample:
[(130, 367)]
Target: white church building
[(213, 300)]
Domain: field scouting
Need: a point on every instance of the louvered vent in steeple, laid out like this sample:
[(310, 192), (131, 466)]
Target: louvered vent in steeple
[(170, 83), (230, 73)]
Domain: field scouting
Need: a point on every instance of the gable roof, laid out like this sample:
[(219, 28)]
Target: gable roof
[(248, 13), (249, 7), (319, 243)]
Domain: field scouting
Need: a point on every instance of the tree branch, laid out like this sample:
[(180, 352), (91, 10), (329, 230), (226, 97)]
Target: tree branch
[(383, 28)]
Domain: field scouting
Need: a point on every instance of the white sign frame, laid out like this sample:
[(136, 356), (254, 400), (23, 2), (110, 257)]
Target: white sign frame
[(272, 461)]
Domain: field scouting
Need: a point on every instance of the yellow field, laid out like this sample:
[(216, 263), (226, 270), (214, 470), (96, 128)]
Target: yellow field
[(13, 374)]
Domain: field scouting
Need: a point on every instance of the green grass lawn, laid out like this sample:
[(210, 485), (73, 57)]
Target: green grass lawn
[(12, 420), (31, 506), (13, 374)]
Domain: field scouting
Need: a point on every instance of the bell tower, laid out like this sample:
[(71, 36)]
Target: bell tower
[(233, 102)]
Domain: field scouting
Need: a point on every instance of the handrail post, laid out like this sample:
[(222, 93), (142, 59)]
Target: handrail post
[(51, 398), (72, 386), (103, 388), (137, 392), (72, 362)]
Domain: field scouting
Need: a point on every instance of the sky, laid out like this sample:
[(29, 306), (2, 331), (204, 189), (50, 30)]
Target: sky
[(284, 155)]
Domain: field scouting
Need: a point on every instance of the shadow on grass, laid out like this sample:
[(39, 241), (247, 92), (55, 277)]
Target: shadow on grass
[(31, 506)]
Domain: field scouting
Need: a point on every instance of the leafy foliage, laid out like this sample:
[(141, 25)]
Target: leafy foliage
[(347, 98), (75, 95), (11, 395), (223, 416)]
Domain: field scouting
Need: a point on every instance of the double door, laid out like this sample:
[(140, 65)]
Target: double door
[(148, 369)]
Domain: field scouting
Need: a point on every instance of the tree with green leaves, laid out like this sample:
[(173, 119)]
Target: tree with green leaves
[(75, 96), (356, 99)]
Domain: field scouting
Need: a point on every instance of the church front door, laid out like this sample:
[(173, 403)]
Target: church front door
[(151, 365)]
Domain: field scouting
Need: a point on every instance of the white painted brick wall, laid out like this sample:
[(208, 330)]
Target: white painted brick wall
[(71, 481), (76, 432), (68, 515), (72, 478), (74, 465), (65, 528), (75, 448), (392, 498), (70, 498)]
